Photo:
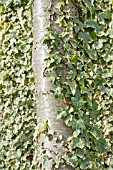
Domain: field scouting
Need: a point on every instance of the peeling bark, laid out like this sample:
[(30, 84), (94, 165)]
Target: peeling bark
[(46, 104)]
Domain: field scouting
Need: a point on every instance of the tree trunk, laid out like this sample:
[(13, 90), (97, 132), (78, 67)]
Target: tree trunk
[(46, 104)]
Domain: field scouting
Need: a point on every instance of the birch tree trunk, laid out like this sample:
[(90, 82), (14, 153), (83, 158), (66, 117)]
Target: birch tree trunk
[(46, 104)]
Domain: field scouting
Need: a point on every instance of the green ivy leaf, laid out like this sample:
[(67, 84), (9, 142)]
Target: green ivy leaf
[(72, 86), (92, 24), (101, 145), (96, 132), (77, 142), (90, 6), (92, 54), (84, 36), (84, 164)]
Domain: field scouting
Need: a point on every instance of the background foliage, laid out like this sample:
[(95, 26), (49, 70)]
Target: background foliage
[(18, 110), (82, 70), (85, 51)]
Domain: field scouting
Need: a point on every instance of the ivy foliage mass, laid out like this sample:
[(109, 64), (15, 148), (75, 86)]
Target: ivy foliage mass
[(81, 69), (81, 66), (18, 110)]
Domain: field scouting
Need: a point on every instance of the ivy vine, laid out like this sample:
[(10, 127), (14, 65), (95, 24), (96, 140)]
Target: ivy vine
[(18, 109), (81, 66)]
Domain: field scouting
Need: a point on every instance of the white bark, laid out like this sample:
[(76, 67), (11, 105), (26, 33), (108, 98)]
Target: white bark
[(46, 104)]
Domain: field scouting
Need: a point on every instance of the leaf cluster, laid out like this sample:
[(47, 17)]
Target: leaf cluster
[(18, 109), (81, 66)]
